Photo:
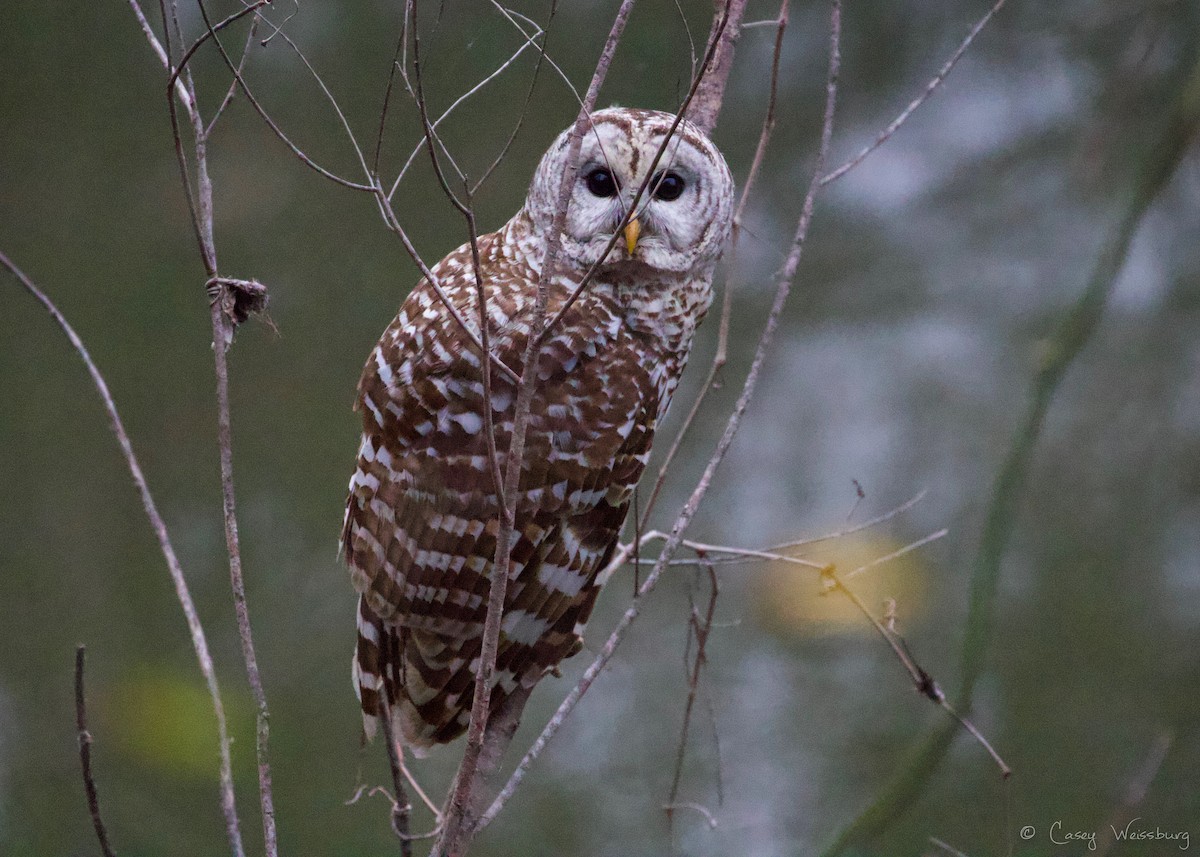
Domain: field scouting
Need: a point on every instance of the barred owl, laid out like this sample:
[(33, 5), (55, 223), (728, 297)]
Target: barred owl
[(422, 513)]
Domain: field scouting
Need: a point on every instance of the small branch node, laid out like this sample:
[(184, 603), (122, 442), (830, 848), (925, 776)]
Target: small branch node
[(238, 299)]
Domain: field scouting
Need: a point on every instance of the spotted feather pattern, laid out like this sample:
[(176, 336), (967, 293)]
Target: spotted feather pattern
[(422, 517)]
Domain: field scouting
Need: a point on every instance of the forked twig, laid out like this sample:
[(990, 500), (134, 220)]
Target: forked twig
[(930, 88), (922, 681), (251, 34)]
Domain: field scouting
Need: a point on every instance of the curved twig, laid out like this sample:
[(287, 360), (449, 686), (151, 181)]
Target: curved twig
[(195, 628)]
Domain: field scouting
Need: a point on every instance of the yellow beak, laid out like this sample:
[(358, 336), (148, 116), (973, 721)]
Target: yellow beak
[(632, 230)]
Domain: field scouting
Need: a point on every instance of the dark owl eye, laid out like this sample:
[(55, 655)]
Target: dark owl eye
[(667, 186), (601, 182)]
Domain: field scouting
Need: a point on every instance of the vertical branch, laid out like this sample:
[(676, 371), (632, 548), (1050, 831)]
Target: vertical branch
[(201, 202), (468, 212), (85, 755), (459, 827), (182, 593)]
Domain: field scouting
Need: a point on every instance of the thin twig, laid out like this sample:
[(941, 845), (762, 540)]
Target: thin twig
[(722, 353), (387, 96), (251, 34), (266, 117), (930, 88), (699, 627), (533, 79), (783, 288), (1135, 790), (511, 15), (216, 28), (446, 113), (896, 554), (195, 628), (155, 45), (468, 212), (865, 525), (401, 807), (85, 755), (949, 849)]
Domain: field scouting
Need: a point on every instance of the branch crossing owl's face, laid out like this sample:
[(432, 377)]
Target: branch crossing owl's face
[(683, 217)]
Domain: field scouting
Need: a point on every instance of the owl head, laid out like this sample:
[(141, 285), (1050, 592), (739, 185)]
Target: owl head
[(682, 219)]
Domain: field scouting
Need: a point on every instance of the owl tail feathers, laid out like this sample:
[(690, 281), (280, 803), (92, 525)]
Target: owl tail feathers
[(378, 669)]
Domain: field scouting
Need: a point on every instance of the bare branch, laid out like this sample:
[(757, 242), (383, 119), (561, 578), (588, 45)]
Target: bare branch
[(783, 288), (200, 204), (387, 98), (921, 679), (195, 628), (726, 26), (698, 627), (460, 828), (221, 25), (401, 808), (181, 92), (85, 755), (446, 113), (930, 88), (533, 79), (337, 108)]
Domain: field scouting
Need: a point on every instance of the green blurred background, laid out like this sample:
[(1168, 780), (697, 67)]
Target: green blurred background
[(935, 272)]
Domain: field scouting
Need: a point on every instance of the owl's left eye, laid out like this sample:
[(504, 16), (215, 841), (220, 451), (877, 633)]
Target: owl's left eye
[(667, 186)]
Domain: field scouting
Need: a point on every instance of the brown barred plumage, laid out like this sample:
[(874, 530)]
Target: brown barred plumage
[(422, 517)]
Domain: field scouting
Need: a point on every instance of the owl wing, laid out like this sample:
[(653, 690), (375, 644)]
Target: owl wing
[(422, 512), (422, 515)]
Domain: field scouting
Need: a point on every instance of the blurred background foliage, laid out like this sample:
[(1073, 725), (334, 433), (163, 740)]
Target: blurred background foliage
[(935, 272)]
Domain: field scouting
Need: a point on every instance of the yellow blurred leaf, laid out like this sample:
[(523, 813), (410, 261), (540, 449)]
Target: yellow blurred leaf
[(790, 599)]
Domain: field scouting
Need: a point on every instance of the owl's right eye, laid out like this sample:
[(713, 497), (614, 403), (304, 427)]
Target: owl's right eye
[(601, 182)]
